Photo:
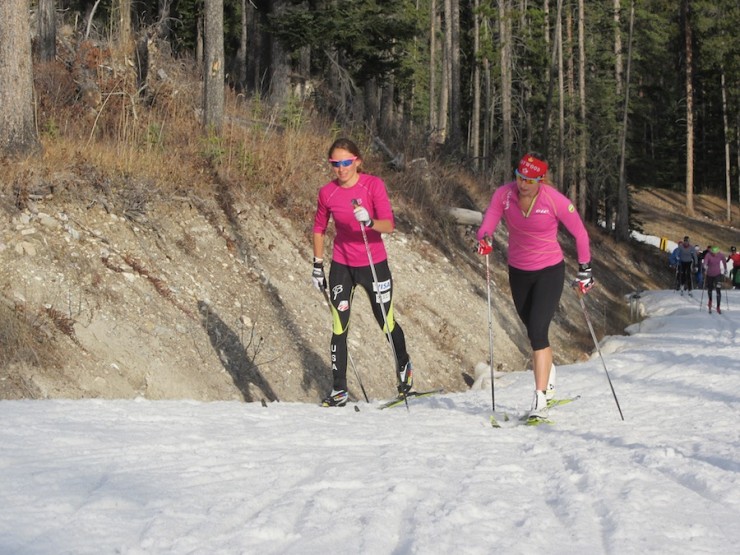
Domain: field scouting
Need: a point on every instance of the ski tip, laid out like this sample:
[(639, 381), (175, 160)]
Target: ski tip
[(536, 421), (495, 423), (404, 398)]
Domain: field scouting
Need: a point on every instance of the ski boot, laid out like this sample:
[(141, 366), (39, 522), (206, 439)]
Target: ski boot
[(405, 379), (336, 399), (550, 391), (539, 406)]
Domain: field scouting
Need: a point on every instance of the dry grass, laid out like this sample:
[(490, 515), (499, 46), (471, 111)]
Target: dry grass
[(24, 337), (97, 127)]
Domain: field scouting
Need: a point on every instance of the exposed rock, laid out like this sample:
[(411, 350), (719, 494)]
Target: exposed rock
[(192, 304)]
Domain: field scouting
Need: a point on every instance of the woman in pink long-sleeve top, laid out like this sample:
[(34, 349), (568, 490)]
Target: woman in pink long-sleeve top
[(715, 267), (533, 210), (359, 205)]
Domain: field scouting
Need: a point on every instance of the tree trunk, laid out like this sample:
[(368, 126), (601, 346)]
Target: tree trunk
[(726, 128), (621, 226), (371, 102), (583, 143), (689, 54), (387, 108), (47, 22), (279, 62), (199, 42), (571, 140), (17, 127), (561, 113), (551, 84), (489, 116), (163, 23), (241, 53), (444, 93), (433, 65), (618, 66), (505, 37), (475, 131), (489, 121), (124, 23), (623, 220), (455, 76), (213, 68)]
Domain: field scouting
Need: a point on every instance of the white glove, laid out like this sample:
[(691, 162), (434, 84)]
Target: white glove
[(363, 216), (318, 276)]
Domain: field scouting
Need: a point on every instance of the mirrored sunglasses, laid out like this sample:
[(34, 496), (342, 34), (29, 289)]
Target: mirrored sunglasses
[(342, 163), (528, 179)]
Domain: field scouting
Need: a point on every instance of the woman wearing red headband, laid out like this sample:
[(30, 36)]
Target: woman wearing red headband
[(532, 210)]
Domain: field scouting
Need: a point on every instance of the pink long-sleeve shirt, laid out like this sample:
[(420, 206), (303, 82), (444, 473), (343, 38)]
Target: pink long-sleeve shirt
[(337, 202), (714, 264), (533, 237)]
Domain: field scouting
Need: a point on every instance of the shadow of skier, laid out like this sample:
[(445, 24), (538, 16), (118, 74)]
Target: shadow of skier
[(233, 355)]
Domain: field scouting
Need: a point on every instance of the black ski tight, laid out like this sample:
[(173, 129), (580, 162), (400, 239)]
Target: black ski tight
[(685, 271), (342, 282), (714, 282)]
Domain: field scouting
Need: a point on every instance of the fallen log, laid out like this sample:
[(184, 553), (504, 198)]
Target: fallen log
[(463, 216)]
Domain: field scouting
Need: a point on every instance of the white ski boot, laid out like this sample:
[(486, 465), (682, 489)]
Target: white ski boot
[(539, 406), (550, 391)]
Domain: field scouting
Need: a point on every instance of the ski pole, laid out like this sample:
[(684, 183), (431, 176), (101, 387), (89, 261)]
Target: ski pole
[(352, 362), (727, 296), (379, 298), (677, 280), (490, 333), (596, 344)]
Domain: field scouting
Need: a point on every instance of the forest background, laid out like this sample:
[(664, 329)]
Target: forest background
[(113, 110), (644, 92)]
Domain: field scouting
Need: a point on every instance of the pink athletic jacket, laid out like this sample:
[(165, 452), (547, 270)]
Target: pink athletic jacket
[(533, 238), (335, 201), (714, 264)]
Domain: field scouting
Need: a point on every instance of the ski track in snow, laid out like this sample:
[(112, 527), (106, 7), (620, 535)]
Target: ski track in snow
[(142, 477)]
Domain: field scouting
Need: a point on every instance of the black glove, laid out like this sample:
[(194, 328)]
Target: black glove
[(584, 278), (318, 276)]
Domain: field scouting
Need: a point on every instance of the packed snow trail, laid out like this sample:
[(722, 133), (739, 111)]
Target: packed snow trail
[(145, 477)]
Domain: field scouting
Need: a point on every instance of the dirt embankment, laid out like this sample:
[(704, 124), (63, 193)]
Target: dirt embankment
[(170, 298)]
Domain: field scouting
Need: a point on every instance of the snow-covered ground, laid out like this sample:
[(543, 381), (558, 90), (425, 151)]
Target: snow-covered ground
[(135, 477)]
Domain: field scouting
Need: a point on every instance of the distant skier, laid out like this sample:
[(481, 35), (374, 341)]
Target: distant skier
[(699, 267), (735, 272), (675, 264), (687, 260), (715, 268)]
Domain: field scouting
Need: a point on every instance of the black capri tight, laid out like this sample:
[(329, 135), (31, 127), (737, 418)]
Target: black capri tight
[(536, 295), (714, 282)]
